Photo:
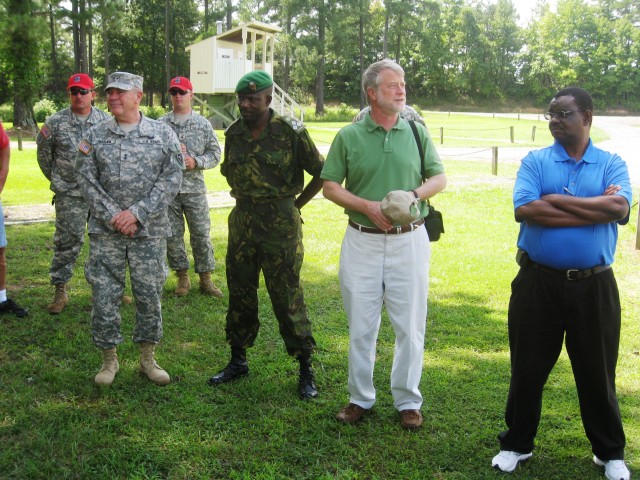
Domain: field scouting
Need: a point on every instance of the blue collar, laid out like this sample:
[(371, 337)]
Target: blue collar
[(561, 154)]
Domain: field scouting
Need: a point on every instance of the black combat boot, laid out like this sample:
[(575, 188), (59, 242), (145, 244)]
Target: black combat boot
[(306, 384), (237, 367)]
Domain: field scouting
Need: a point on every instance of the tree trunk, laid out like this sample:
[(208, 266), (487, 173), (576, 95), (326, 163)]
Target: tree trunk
[(361, 41), (105, 45), (56, 82), (90, 42), (287, 53), (84, 61), (167, 52), (23, 115), (229, 12), (387, 15), (322, 18), (21, 60), (399, 44), (76, 35), (206, 15)]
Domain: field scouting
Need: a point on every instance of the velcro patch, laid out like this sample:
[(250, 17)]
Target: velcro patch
[(85, 147), (45, 132)]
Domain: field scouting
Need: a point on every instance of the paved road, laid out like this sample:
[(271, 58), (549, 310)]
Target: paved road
[(624, 133)]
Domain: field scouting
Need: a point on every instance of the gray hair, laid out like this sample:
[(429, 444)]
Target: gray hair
[(371, 76)]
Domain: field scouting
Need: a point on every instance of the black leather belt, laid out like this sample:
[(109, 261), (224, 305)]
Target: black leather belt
[(571, 274), (392, 231)]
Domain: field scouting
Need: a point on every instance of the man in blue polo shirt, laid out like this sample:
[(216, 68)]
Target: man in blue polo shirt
[(569, 199)]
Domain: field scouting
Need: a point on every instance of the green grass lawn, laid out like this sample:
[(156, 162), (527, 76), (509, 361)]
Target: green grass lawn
[(56, 424), (26, 185)]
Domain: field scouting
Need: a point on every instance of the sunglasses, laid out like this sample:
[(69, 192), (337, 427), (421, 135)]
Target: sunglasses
[(78, 91), (175, 91), (560, 114)]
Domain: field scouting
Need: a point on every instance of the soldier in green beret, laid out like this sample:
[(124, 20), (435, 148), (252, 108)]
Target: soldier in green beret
[(265, 157)]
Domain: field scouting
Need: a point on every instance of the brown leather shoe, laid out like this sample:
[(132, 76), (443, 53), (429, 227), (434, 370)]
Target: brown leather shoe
[(411, 419), (351, 413)]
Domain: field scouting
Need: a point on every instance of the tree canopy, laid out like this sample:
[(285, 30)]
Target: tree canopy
[(453, 51)]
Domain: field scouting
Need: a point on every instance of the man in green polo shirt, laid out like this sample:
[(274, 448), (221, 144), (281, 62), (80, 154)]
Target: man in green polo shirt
[(382, 262)]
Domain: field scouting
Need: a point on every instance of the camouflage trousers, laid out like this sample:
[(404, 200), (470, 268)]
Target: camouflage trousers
[(195, 209), (105, 271), (266, 237), (71, 223)]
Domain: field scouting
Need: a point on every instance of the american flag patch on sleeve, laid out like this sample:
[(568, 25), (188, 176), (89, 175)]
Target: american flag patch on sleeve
[(44, 131), (85, 147)]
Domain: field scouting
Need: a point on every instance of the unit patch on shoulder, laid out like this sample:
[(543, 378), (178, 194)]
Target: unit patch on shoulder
[(44, 131), (85, 147), (296, 125)]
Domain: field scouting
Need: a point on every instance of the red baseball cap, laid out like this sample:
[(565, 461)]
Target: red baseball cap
[(181, 83), (80, 80)]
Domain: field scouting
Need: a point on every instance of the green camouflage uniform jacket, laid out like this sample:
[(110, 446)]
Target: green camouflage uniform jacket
[(140, 171), (265, 168), (202, 144), (57, 146)]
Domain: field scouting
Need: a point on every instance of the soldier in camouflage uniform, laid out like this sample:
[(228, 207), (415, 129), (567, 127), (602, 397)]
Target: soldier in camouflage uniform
[(201, 151), (57, 146), (129, 170), (264, 162)]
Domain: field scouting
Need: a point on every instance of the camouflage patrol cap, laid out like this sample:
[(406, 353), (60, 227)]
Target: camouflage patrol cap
[(253, 82), (408, 113), (400, 207), (124, 81)]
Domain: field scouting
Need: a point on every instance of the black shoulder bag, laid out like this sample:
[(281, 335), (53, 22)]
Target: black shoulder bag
[(433, 221)]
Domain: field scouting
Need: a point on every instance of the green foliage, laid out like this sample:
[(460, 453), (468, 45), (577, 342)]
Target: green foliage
[(6, 112), (341, 113), (43, 109), (153, 112), (453, 51), (21, 56)]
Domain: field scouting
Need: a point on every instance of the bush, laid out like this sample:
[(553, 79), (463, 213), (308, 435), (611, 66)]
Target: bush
[(43, 109), (152, 112), (6, 112), (341, 113)]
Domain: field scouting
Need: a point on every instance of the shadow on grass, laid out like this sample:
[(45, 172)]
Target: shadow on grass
[(56, 424)]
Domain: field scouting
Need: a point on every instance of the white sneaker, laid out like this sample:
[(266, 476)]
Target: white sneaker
[(613, 469), (507, 461)]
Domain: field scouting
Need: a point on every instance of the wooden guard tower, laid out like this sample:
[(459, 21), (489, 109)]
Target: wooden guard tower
[(217, 63)]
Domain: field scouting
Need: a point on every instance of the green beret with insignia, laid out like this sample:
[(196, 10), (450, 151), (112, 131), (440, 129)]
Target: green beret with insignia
[(253, 82)]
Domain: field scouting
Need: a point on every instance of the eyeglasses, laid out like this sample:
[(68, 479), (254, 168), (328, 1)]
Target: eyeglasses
[(561, 114), (175, 91), (78, 91)]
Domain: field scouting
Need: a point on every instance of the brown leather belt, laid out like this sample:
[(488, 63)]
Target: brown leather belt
[(392, 231), (571, 274)]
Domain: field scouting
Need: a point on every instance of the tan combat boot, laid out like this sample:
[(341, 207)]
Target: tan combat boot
[(60, 299), (149, 367), (109, 368), (184, 284), (207, 286)]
